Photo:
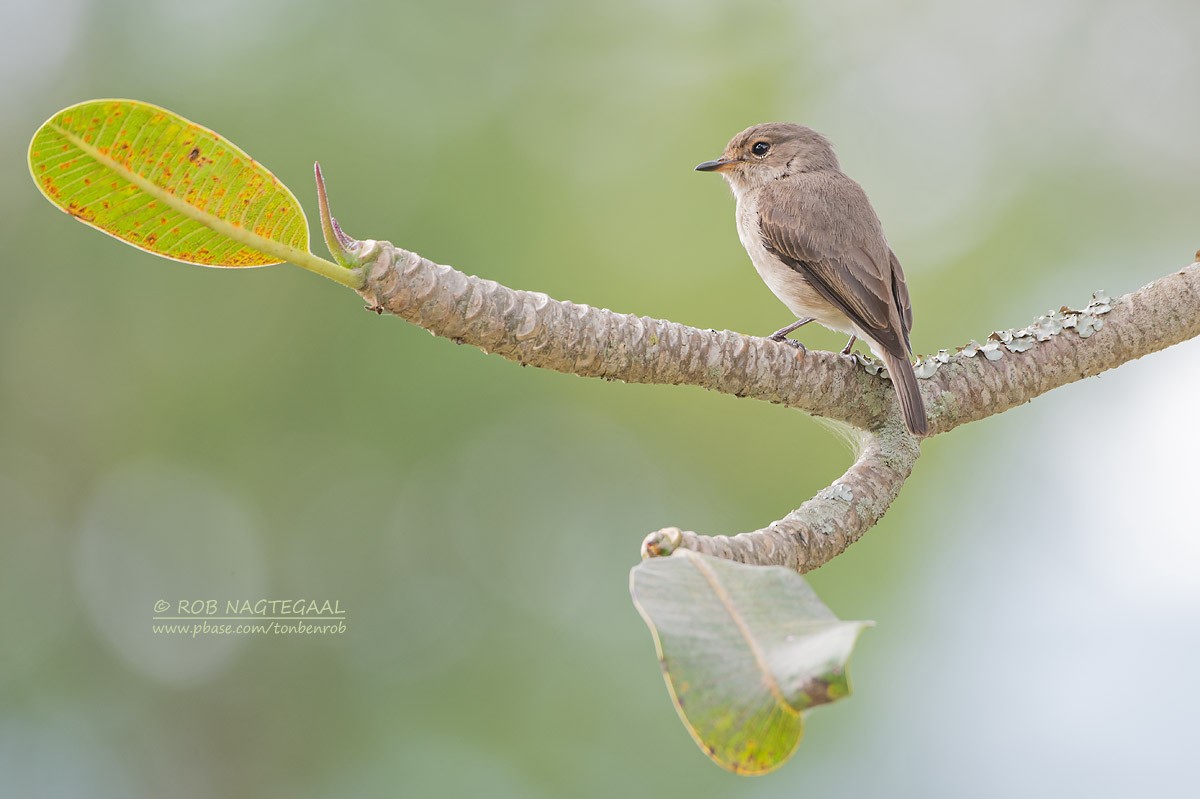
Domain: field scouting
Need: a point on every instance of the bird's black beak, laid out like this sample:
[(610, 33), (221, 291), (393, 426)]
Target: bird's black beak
[(714, 166)]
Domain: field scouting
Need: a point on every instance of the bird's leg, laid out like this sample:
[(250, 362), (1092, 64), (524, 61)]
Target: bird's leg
[(849, 345), (781, 334)]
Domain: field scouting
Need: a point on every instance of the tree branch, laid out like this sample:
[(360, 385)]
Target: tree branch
[(976, 382), (1154, 317), (824, 526), (535, 330)]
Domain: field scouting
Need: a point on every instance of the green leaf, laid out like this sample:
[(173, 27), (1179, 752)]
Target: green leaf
[(171, 187), (744, 650)]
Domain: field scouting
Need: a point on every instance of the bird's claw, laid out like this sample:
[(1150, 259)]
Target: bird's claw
[(791, 342)]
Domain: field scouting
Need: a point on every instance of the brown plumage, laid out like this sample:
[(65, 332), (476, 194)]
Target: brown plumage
[(815, 240)]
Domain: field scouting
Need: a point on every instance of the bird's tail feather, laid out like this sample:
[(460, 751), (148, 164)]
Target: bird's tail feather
[(909, 394)]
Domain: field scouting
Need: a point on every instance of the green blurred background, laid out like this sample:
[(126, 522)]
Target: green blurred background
[(176, 432)]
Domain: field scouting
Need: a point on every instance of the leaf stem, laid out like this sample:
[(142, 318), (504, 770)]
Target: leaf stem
[(350, 278)]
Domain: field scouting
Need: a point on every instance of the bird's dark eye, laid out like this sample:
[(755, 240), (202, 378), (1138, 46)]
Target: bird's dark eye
[(760, 148)]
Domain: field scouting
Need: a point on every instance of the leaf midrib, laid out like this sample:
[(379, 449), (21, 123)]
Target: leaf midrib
[(760, 658), (239, 234)]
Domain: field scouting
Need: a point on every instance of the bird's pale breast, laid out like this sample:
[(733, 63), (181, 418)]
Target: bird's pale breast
[(786, 283)]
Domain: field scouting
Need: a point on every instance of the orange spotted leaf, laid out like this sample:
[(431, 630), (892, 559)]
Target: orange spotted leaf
[(166, 185)]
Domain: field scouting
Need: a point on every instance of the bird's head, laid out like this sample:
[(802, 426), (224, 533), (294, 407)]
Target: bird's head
[(773, 150)]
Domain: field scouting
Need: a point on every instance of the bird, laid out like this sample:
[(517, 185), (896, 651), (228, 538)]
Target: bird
[(815, 240)]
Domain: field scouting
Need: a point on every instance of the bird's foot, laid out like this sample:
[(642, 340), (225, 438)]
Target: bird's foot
[(781, 335), (791, 342)]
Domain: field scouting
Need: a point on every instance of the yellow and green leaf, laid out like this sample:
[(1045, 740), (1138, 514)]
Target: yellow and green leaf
[(171, 187)]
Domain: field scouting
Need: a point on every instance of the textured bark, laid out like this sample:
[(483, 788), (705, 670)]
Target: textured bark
[(821, 528), (1154, 317), (534, 329)]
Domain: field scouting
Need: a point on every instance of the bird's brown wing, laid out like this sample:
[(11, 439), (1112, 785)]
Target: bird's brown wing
[(900, 289), (829, 246)]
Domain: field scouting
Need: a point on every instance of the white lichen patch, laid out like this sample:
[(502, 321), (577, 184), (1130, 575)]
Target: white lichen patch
[(840, 491), (1050, 324), (1047, 326), (926, 368), (869, 365), (1021, 340)]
